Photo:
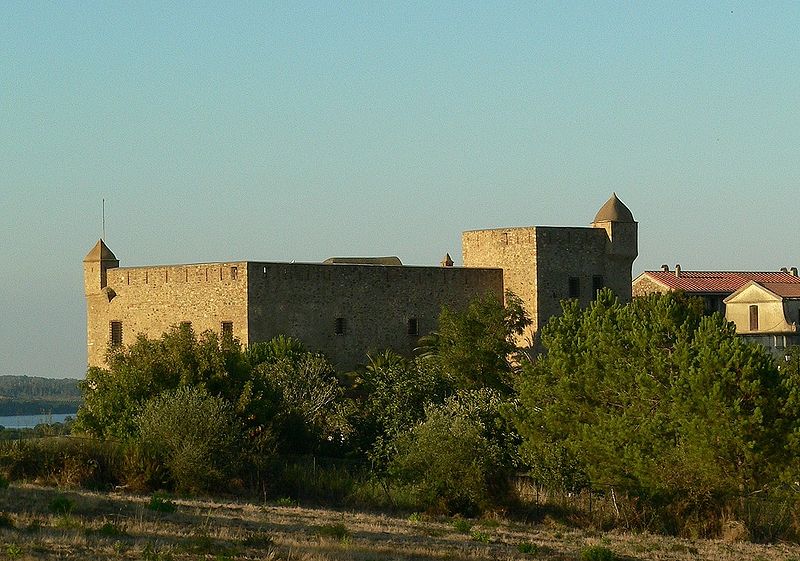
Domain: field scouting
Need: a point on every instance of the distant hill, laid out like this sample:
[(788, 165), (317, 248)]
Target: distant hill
[(31, 395)]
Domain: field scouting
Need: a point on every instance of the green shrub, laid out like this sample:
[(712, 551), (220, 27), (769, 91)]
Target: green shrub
[(453, 459), (61, 505), (597, 553), (159, 503), (196, 434), (480, 537), (13, 551), (462, 526)]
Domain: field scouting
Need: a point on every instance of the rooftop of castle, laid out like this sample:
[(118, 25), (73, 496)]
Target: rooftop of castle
[(389, 260), (100, 252), (614, 211)]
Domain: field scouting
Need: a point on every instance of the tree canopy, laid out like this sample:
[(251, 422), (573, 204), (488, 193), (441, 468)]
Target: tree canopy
[(653, 396)]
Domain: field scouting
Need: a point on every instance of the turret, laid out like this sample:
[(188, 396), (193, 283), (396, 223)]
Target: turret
[(617, 220), (622, 244), (95, 266)]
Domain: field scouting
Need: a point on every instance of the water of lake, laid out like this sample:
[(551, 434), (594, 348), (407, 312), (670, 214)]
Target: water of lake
[(30, 421)]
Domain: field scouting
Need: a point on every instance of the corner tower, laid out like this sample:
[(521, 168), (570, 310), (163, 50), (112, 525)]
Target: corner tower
[(95, 266), (98, 296), (622, 244)]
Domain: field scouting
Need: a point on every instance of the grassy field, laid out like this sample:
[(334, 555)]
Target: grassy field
[(46, 523)]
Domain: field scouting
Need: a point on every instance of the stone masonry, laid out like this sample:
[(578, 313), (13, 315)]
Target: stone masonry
[(348, 307)]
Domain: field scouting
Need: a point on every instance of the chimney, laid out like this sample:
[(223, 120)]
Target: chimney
[(793, 271), (677, 271), (665, 268), (784, 270)]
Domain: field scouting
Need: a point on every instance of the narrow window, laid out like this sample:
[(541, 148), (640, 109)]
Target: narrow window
[(504, 238), (339, 326), (753, 318), (597, 284), (116, 333), (227, 329), (234, 273), (412, 328), (574, 287)]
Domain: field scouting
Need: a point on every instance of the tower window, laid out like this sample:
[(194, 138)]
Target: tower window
[(115, 328), (412, 327), (339, 326), (753, 318), (574, 287), (227, 329), (597, 284), (234, 273)]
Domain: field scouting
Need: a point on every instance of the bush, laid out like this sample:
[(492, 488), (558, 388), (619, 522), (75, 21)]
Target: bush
[(63, 461), (160, 503), (195, 433), (457, 458), (61, 505), (597, 553)]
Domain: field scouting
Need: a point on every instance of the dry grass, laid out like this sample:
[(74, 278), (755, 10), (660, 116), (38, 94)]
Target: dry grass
[(116, 526)]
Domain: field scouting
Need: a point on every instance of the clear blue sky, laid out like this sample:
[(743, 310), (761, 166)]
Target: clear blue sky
[(298, 131)]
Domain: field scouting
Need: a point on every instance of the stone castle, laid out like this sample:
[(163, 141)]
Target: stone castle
[(347, 307)]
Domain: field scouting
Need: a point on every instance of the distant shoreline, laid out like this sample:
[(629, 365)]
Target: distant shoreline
[(38, 407)]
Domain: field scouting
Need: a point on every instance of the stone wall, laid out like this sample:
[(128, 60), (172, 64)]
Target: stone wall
[(564, 253), (263, 300), (514, 250), (372, 304), (538, 263), (644, 285), (149, 300)]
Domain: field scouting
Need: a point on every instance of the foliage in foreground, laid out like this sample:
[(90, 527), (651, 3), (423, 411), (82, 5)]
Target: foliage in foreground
[(658, 400), (664, 415), (196, 435)]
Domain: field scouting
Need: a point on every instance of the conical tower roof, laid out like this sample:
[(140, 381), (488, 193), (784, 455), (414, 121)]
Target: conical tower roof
[(614, 211), (100, 252)]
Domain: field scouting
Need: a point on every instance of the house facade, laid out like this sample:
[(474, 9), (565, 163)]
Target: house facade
[(763, 305), (766, 313)]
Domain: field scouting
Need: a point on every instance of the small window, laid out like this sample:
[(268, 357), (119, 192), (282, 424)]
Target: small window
[(234, 273), (504, 238), (116, 333), (753, 318), (227, 329), (597, 284), (339, 326), (574, 287), (412, 328)]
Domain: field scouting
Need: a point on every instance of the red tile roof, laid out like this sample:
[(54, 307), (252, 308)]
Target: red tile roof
[(783, 289), (722, 282)]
